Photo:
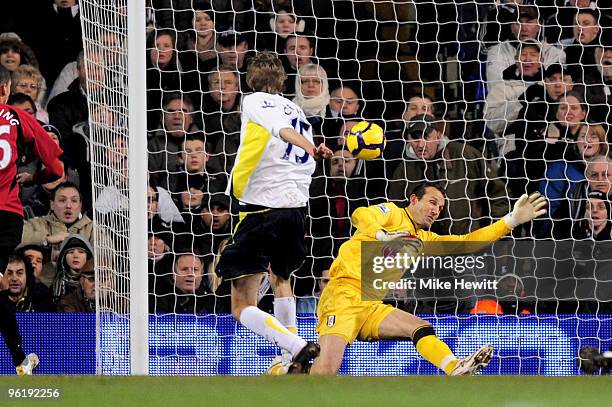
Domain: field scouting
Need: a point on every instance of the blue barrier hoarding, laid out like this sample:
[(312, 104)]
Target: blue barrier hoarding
[(216, 345)]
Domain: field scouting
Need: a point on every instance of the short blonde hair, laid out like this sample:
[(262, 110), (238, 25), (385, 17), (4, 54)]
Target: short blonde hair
[(28, 72), (311, 70), (266, 73)]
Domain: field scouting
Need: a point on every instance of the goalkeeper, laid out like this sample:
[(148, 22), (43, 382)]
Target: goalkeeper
[(343, 317)]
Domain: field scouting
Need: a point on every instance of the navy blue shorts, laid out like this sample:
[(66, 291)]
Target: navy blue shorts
[(268, 238)]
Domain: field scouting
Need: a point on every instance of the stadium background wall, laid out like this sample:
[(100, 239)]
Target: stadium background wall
[(215, 345)]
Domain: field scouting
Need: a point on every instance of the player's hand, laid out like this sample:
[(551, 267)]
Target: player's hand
[(321, 152), (24, 178), (526, 209)]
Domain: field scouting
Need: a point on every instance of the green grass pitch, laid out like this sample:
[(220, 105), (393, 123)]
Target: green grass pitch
[(504, 391)]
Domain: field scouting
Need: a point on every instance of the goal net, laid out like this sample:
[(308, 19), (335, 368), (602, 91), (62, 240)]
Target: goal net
[(490, 99), (106, 61)]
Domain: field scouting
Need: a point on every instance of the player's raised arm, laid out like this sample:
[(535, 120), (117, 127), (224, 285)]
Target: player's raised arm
[(44, 148), (291, 136)]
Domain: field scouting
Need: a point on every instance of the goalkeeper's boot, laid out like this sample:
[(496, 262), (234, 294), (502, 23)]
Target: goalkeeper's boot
[(302, 361), (28, 364), (280, 366), (473, 363)]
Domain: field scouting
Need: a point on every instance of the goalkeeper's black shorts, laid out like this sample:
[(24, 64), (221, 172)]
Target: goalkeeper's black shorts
[(265, 238)]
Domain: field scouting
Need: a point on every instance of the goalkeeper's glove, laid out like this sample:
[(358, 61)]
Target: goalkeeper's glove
[(406, 240), (526, 209)]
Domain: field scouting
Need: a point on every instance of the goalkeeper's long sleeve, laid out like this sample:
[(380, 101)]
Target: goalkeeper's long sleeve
[(491, 233), (371, 219)]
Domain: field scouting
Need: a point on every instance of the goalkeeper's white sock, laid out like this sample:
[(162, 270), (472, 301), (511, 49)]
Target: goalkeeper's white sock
[(270, 328), (284, 311)]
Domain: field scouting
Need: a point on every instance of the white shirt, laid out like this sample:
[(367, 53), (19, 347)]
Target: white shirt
[(269, 171), (502, 55)]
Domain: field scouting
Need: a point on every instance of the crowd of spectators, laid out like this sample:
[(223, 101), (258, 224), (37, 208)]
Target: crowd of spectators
[(545, 67)]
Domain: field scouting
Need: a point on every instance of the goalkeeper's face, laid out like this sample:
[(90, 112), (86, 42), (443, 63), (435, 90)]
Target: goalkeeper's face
[(426, 210)]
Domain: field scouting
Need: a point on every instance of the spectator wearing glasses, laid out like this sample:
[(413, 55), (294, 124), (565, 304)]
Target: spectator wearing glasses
[(27, 79), (598, 178), (221, 108), (344, 101)]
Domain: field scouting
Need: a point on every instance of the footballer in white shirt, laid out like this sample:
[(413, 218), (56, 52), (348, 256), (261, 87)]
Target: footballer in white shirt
[(270, 180)]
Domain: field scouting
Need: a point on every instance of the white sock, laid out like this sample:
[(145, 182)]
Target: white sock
[(284, 311), (270, 328)]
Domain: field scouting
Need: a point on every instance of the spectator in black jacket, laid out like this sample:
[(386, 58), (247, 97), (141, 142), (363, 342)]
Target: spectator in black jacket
[(83, 299), (299, 50), (195, 170), (221, 107), (233, 50), (23, 291), (580, 53), (213, 226), (598, 83), (163, 72), (70, 108), (539, 107), (165, 144), (188, 292), (596, 222), (63, 38)]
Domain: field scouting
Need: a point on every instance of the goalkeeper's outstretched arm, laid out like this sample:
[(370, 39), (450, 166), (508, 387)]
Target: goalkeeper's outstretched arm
[(526, 209)]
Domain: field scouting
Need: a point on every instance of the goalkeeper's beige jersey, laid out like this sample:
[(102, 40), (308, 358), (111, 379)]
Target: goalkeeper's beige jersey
[(269, 171), (346, 268)]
